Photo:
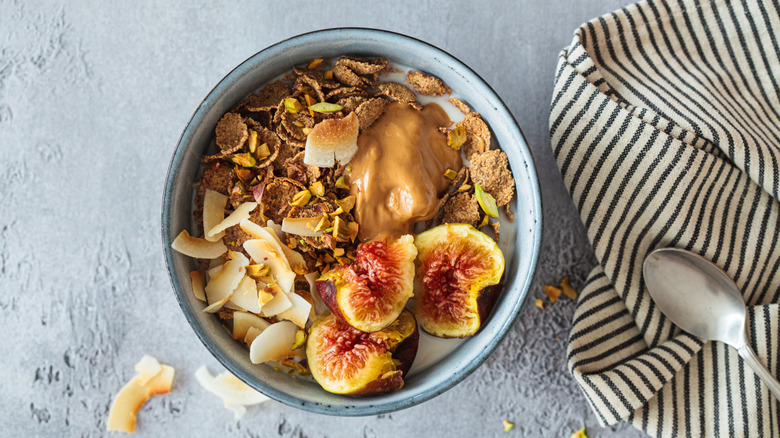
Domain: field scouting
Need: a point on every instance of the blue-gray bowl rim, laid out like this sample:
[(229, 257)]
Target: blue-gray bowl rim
[(414, 399)]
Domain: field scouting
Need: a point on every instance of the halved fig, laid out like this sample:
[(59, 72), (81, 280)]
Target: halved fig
[(370, 293), (344, 360), (457, 267)]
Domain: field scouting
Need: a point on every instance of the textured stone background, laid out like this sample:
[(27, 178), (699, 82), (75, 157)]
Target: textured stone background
[(93, 97)]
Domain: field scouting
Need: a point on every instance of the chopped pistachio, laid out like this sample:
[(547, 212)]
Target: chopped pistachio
[(340, 229), (343, 260), (267, 279), (508, 426), (353, 230), (298, 124), (338, 252), (567, 289), (300, 338), (301, 198), (315, 63), (325, 107), (258, 270), (464, 188), (347, 203), (451, 174), (252, 142), (552, 292), (328, 259), (485, 220), (317, 189), (244, 174), (337, 211), (486, 201), (262, 152), (579, 434), (246, 159), (306, 131), (341, 183), (292, 105), (322, 224), (457, 137)]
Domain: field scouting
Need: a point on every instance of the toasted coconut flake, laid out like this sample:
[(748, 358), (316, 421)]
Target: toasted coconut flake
[(147, 368), (241, 212), (213, 212), (132, 396), (294, 258), (197, 247), (223, 284), (274, 343), (217, 306), (332, 140), (243, 321), (234, 393), (278, 304), (267, 251), (298, 312), (245, 296), (251, 334), (197, 285), (301, 226)]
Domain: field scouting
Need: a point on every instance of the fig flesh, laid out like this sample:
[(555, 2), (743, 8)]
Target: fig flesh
[(370, 293), (344, 360), (459, 267)]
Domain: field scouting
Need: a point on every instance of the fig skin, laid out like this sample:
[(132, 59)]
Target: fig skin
[(370, 293), (380, 360), (458, 280)]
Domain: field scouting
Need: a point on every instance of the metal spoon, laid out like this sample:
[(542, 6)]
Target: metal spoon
[(701, 299)]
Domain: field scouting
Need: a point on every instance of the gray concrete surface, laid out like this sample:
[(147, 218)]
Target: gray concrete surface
[(93, 97)]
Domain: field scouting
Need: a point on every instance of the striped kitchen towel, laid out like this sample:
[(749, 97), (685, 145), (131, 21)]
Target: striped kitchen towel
[(665, 124)]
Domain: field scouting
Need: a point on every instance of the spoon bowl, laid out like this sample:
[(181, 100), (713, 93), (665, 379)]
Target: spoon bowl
[(702, 300)]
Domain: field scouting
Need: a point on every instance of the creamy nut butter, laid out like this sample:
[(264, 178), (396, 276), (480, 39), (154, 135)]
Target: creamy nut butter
[(397, 173)]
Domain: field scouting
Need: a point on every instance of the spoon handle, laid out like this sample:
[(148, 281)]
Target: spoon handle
[(752, 360)]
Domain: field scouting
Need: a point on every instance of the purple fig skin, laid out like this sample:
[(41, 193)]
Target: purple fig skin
[(327, 290)]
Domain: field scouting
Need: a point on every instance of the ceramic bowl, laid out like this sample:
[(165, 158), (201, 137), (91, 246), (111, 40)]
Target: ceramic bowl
[(520, 240)]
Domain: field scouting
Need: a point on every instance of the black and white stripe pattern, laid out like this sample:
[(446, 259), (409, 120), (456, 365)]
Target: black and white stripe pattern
[(665, 124)]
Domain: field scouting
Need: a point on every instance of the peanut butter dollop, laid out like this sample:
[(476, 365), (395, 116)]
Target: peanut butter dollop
[(398, 172)]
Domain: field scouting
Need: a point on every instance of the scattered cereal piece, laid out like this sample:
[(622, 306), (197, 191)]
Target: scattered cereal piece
[(552, 292), (579, 434), (567, 289), (268, 98)]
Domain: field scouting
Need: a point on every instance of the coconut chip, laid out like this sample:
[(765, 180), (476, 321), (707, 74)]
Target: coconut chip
[(129, 400), (235, 394)]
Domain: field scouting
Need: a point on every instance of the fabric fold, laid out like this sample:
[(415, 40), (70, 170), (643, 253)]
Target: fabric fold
[(665, 124)]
